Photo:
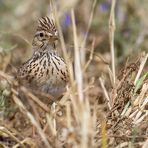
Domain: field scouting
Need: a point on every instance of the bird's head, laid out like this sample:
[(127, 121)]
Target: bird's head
[(46, 33)]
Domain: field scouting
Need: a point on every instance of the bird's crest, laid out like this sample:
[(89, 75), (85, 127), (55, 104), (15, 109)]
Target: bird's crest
[(46, 24)]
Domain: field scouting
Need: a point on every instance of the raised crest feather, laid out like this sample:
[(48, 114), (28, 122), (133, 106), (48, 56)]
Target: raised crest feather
[(46, 24)]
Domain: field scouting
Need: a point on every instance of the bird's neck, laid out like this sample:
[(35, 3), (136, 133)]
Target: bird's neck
[(49, 47), (45, 48)]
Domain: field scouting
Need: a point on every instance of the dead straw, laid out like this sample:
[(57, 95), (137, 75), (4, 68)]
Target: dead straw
[(112, 27)]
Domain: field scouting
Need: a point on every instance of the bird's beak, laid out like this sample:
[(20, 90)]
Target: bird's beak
[(54, 38)]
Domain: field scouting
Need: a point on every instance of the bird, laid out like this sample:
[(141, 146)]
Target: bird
[(46, 70)]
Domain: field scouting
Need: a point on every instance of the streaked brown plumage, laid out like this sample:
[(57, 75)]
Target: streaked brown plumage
[(45, 70)]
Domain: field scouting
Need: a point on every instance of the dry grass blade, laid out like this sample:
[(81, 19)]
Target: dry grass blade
[(54, 120), (111, 37), (122, 145), (6, 76), (110, 75), (141, 68), (51, 124), (63, 46), (25, 141), (78, 70), (35, 99), (90, 57), (145, 145), (86, 34), (85, 126), (4, 130), (89, 24), (56, 14), (142, 96), (32, 119), (104, 134), (106, 94)]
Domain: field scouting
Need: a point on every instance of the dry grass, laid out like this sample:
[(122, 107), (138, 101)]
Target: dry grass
[(96, 111)]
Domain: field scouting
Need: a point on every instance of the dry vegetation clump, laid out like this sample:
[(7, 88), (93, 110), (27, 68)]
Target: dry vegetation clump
[(103, 106)]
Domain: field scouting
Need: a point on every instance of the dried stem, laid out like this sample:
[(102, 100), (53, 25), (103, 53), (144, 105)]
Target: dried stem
[(87, 31), (111, 37), (141, 68), (78, 70), (106, 93)]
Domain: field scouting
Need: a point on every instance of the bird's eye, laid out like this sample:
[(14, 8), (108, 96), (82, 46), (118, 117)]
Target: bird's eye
[(41, 34)]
